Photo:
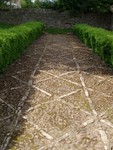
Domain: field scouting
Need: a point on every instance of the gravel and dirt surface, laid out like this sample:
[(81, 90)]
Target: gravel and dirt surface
[(57, 96)]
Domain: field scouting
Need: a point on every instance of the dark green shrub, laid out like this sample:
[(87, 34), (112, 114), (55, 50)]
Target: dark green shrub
[(3, 5), (81, 6), (58, 30), (5, 26), (47, 4), (14, 41), (100, 40)]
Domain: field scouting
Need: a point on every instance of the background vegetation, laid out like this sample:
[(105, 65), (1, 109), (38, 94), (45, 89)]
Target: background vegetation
[(58, 30), (2, 5), (86, 6), (73, 6)]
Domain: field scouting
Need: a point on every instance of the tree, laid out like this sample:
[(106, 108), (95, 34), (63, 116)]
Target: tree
[(87, 5)]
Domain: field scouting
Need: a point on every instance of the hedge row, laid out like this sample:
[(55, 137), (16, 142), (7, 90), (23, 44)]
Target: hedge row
[(15, 40), (4, 26), (100, 40)]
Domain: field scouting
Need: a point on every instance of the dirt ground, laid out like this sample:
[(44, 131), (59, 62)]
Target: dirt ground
[(57, 96)]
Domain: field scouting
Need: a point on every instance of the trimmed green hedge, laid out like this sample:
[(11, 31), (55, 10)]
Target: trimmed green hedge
[(4, 26), (58, 30), (15, 40), (100, 40)]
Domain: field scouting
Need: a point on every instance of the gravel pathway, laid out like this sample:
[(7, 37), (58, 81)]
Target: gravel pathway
[(57, 96)]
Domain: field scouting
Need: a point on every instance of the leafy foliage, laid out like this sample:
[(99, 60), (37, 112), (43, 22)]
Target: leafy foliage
[(58, 30), (3, 5), (46, 4), (100, 40), (15, 40), (86, 6), (26, 4), (5, 26)]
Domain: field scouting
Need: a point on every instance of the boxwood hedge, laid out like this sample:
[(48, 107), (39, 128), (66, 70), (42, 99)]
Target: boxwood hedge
[(4, 26), (15, 40), (100, 40)]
